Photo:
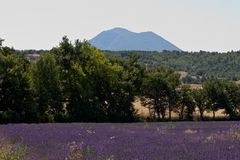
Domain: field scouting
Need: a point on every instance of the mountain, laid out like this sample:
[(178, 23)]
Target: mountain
[(120, 39)]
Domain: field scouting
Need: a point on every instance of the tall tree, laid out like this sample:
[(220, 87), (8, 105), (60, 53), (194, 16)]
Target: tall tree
[(93, 87), (187, 105), (200, 101), (16, 99), (47, 88), (232, 99), (213, 89), (223, 95), (158, 90)]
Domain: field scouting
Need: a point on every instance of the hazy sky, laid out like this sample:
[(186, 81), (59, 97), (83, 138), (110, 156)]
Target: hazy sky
[(192, 25)]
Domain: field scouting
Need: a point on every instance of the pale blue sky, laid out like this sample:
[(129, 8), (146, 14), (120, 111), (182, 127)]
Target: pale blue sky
[(192, 25)]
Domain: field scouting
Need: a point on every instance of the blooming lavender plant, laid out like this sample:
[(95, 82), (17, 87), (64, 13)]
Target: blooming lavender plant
[(106, 141)]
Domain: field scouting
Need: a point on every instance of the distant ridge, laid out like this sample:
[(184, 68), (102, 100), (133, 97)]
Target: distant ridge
[(120, 39)]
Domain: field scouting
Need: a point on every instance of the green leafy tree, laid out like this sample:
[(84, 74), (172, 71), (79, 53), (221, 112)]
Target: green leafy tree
[(76, 65), (232, 108), (47, 88), (223, 95), (16, 99), (158, 90), (200, 101), (213, 89), (93, 87), (126, 88), (187, 105)]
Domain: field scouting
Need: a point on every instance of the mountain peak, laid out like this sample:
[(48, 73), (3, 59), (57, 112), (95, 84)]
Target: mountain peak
[(119, 29), (119, 39)]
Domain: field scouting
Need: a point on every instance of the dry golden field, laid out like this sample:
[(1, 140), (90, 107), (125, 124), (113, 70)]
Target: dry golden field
[(144, 111)]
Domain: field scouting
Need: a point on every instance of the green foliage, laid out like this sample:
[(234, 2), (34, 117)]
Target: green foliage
[(159, 89), (75, 82), (128, 84), (94, 89), (223, 95), (200, 101), (187, 105), (72, 82), (201, 66), (46, 84), (16, 101)]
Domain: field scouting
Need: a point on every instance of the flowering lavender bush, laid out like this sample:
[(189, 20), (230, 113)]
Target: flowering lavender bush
[(136, 141)]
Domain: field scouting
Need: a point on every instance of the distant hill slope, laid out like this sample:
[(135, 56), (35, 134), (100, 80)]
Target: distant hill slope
[(120, 39), (199, 66)]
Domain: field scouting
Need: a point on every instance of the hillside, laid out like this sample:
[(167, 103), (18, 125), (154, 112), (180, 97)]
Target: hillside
[(120, 39), (200, 66)]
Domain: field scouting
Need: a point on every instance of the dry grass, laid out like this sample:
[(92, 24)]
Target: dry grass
[(11, 152), (196, 86), (183, 74), (144, 112)]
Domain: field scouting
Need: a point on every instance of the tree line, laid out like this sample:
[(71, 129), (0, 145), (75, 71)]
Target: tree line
[(201, 66), (74, 82)]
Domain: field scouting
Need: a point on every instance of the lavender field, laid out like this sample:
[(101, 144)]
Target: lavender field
[(137, 141)]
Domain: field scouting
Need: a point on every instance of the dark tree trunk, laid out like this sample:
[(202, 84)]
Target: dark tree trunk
[(181, 113), (213, 115), (170, 113), (169, 110), (158, 114), (163, 114), (201, 115), (201, 111), (189, 113)]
